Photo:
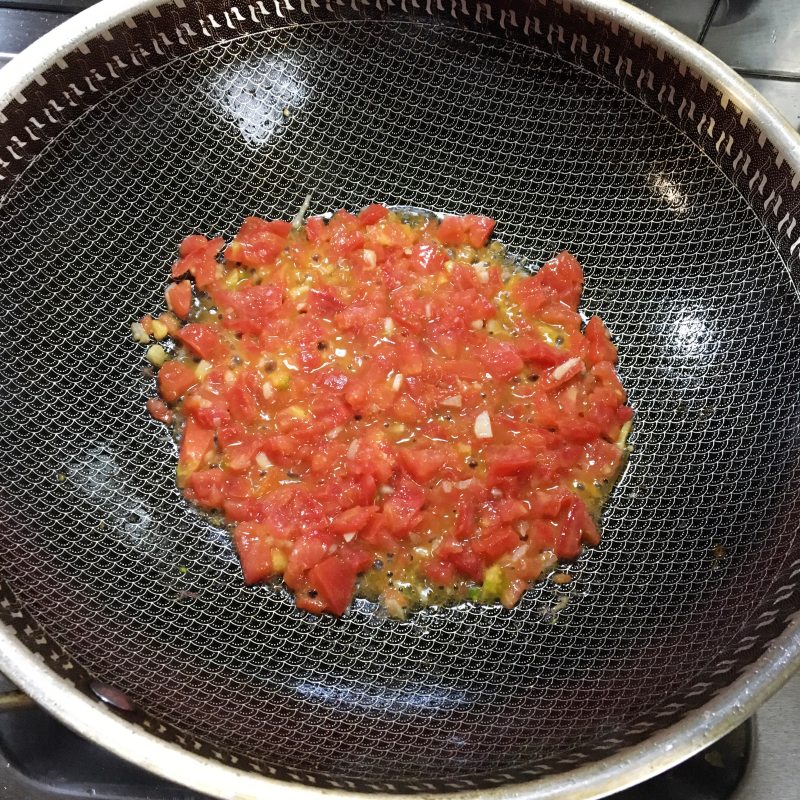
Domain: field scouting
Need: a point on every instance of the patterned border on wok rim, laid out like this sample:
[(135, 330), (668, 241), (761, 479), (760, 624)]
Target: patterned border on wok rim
[(704, 96)]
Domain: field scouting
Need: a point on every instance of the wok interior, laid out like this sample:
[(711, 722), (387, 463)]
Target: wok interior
[(147, 595)]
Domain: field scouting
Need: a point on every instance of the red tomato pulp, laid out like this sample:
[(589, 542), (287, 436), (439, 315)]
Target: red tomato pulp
[(382, 405)]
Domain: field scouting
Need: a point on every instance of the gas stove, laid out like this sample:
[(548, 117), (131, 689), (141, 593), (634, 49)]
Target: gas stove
[(40, 759)]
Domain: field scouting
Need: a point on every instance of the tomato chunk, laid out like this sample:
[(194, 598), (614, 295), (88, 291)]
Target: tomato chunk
[(335, 580), (174, 380), (179, 298), (196, 443), (203, 341)]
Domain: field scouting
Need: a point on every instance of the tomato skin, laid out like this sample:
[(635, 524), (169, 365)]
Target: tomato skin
[(203, 341), (624, 414), (174, 380), (179, 298)]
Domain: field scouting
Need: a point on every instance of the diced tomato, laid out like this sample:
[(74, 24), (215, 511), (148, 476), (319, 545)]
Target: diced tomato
[(199, 257), (428, 257), (203, 341), (463, 368), (174, 380), (535, 351), (576, 429), (510, 510), (468, 563), (192, 243), (333, 379), (335, 580), (478, 230), (243, 509), (243, 399), (208, 487), (442, 573), (239, 451), (465, 516), (159, 410), (550, 503), (357, 317), (401, 509), (495, 543), (559, 280), (250, 309), (353, 519), (255, 550), (195, 444), (179, 298), (500, 358), (315, 228), (344, 241), (332, 419), (510, 459), (423, 463), (258, 242), (213, 415), (309, 549), (372, 214), (599, 341), (452, 231), (577, 526), (325, 302)]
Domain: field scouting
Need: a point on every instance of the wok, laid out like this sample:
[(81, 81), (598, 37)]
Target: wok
[(579, 125)]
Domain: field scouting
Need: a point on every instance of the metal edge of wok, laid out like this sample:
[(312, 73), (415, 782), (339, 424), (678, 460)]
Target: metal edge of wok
[(630, 766)]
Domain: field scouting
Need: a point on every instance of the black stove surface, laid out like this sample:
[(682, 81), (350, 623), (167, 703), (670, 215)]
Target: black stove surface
[(50, 762)]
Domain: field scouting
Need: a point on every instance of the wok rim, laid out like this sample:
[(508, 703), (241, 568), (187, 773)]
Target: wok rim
[(629, 766)]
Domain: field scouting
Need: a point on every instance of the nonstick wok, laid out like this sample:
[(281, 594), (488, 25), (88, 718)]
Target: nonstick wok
[(580, 125)]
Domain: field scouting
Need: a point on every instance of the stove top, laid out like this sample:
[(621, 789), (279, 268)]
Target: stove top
[(40, 759)]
